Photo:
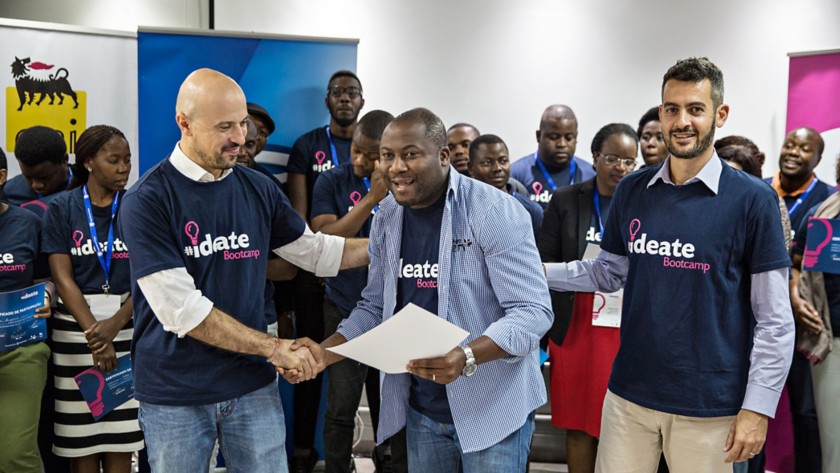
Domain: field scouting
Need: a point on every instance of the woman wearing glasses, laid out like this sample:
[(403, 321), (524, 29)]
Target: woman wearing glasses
[(584, 341), (93, 322)]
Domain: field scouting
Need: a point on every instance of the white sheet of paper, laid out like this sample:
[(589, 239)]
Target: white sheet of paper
[(606, 308), (103, 306), (411, 334)]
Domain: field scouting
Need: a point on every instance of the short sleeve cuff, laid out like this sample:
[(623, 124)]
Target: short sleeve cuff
[(329, 261), (761, 399)]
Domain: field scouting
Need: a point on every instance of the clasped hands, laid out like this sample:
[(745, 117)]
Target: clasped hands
[(298, 360)]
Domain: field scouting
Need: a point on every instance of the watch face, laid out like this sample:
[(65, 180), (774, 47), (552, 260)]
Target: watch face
[(470, 369)]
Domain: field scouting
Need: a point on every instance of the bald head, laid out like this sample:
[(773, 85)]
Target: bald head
[(212, 114), (557, 112), (203, 86)]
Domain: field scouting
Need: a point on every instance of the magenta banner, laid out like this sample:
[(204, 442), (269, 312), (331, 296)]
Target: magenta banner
[(814, 92)]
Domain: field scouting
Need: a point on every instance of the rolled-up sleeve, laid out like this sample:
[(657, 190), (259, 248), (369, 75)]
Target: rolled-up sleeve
[(175, 301), (317, 253), (773, 340)]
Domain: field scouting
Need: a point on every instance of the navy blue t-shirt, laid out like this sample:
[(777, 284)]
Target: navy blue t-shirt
[(311, 156), (527, 171), (687, 322), (20, 232), (832, 281), (221, 232), (66, 231), (534, 210), (593, 234), (820, 192), (337, 191), (418, 278), (17, 192)]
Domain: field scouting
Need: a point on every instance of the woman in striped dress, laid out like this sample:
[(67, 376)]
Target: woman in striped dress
[(93, 321)]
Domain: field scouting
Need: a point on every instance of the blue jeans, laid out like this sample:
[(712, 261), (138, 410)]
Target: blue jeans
[(434, 448), (250, 429)]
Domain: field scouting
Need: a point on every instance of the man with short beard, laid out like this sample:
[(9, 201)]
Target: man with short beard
[(314, 153), (707, 329)]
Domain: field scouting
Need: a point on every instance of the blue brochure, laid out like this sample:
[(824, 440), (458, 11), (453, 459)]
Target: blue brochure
[(18, 325), (822, 247), (104, 392)]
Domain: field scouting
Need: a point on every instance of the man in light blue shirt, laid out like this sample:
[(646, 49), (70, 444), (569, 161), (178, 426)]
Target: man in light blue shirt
[(466, 252)]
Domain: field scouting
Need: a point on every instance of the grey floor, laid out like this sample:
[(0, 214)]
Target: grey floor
[(365, 465)]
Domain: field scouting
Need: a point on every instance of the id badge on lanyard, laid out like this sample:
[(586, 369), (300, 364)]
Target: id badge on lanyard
[(606, 307)]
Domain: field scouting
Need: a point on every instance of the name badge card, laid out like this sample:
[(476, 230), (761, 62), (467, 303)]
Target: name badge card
[(606, 307), (822, 247), (18, 325), (104, 392), (103, 306)]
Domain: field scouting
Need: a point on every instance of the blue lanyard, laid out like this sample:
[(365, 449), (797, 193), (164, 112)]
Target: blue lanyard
[(803, 197), (597, 199), (367, 185), (333, 152), (70, 170), (104, 260), (572, 170)]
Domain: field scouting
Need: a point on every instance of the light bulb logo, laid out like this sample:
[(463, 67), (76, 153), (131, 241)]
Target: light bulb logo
[(596, 308), (97, 407), (538, 187), (810, 258), (191, 229), (78, 236), (355, 197), (320, 156), (635, 226)]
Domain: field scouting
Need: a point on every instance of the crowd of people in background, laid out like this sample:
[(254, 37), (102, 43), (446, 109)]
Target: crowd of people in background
[(525, 254)]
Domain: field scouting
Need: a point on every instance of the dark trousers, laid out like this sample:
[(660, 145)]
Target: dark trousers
[(309, 322), (806, 435)]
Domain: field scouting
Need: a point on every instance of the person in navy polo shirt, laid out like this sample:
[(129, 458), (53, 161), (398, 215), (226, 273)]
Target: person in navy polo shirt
[(706, 330), (199, 229), (465, 251), (346, 199), (489, 163), (554, 164), (312, 154)]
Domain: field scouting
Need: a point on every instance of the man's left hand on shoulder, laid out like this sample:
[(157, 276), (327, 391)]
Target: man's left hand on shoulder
[(443, 369), (746, 436)]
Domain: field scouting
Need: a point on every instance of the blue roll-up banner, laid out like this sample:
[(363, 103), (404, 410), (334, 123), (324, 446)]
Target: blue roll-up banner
[(286, 75)]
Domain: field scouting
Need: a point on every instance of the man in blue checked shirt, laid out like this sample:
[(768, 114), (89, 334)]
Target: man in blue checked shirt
[(463, 250)]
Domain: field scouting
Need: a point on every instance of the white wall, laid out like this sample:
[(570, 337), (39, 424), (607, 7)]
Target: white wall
[(498, 63)]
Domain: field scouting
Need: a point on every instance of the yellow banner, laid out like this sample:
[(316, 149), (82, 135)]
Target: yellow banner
[(70, 121)]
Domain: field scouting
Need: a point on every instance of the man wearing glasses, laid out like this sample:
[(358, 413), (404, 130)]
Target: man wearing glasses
[(314, 153)]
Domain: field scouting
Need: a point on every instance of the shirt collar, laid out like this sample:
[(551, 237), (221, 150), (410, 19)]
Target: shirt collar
[(776, 183), (190, 169), (709, 175)]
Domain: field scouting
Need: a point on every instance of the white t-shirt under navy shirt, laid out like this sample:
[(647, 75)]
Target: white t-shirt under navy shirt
[(687, 323), (418, 280), (66, 231), (221, 232), (337, 191)]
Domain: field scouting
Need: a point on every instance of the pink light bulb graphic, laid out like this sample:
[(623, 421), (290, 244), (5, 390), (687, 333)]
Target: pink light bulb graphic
[(635, 226), (97, 407), (320, 156), (810, 258), (355, 197), (538, 187), (191, 229), (596, 309), (78, 236)]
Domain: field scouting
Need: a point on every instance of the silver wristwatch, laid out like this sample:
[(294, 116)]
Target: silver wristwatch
[(469, 366)]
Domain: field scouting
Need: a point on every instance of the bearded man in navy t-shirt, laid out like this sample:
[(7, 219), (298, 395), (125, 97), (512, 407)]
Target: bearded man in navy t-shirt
[(200, 229), (706, 330)]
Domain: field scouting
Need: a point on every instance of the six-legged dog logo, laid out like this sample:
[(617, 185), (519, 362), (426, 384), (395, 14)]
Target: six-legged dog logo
[(54, 84)]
